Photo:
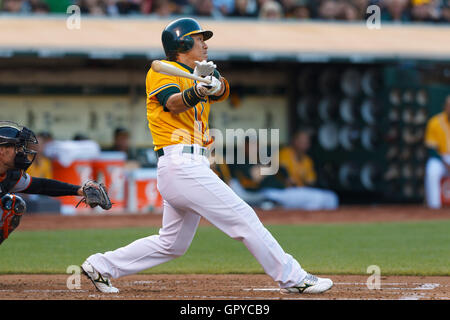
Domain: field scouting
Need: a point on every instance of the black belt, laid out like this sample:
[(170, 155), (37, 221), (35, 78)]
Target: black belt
[(186, 149)]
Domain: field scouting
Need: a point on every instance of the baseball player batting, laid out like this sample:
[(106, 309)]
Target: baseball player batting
[(16, 156), (177, 112)]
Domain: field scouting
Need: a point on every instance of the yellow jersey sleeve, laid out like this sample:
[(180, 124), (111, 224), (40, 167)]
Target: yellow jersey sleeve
[(157, 82)]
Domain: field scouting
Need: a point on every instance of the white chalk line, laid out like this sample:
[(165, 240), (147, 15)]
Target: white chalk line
[(413, 297), (383, 283), (428, 286), (55, 290)]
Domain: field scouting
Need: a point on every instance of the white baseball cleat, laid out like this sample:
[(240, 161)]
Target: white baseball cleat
[(311, 284), (102, 283)]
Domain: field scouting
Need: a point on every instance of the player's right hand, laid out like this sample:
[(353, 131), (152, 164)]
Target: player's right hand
[(209, 89), (204, 69)]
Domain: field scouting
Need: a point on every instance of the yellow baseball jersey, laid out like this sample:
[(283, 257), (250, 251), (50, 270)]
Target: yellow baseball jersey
[(437, 133), (189, 127), (301, 171)]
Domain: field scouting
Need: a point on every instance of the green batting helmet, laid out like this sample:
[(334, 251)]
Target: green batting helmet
[(176, 37)]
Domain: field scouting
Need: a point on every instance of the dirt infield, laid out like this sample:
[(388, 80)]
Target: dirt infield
[(227, 287), (220, 287), (351, 214)]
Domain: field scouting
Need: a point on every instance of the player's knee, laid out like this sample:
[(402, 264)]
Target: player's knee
[(14, 203), (434, 169), (177, 251), (433, 175), (174, 249), (13, 207)]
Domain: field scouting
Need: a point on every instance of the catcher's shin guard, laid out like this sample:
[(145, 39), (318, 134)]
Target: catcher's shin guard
[(13, 207)]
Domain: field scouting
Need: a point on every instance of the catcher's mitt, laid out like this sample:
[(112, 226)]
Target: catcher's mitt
[(94, 194)]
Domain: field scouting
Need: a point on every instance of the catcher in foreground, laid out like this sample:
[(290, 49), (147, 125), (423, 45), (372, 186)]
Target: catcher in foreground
[(16, 155)]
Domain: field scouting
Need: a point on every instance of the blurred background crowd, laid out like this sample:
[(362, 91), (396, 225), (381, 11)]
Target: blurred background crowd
[(340, 10)]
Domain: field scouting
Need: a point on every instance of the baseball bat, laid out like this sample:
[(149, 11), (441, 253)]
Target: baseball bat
[(165, 68)]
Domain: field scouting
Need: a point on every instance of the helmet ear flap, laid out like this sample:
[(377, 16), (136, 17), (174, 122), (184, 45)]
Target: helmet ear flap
[(186, 44)]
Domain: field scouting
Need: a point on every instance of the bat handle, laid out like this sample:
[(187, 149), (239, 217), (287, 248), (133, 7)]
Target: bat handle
[(156, 65), (204, 80)]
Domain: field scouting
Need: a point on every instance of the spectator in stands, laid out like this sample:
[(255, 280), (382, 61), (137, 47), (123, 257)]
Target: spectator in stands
[(361, 7), (330, 10), (438, 145), (225, 7), (288, 7), (395, 10), (147, 6), (271, 10), (182, 6), (13, 6), (349, 10), (111, 7), (300, 10), (426, 10), (446, 11), (39, 7), (92, 7), (243, 9), (345, 10), (205, 8), (163, 8), (129, 6)]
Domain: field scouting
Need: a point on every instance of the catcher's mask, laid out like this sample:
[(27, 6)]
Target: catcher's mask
[(24, 141), (176, 37)]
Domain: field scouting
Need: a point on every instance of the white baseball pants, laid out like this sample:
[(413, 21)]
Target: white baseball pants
[(191, 190), (435, 170)]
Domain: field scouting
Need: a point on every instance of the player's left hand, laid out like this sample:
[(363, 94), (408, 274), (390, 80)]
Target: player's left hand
[(213, 88), (204, 69), (94, 194)]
